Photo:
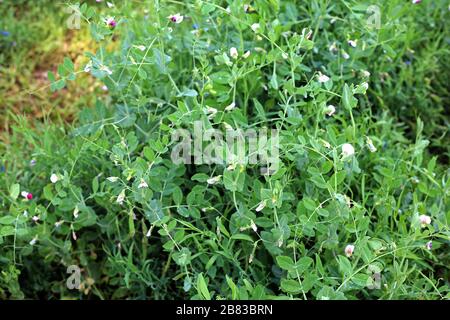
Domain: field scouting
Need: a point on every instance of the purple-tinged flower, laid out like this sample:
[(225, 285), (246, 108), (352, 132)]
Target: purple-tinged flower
[(2, 169), (349, 250), (416, 1), (176, 18), (429, 245), (27, 195), (424, 220), (352, 43), (32, 162), (5, 33), (111, 22)]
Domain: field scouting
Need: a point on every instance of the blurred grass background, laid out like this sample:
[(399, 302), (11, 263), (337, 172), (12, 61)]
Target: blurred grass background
[(34, 39)]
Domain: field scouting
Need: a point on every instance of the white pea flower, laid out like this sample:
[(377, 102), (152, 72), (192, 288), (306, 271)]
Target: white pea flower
[(326, 144), (75, 212), (370, 145), (246, 54), (280, 242), (213, 180), (142, 184), (333, 48), (106, 69), (227, 126), (253, 225), (322, 78), (233, 53), (307, 33), (110, 5), (365, 85), (365, 73), (424, 220), (149, 232), (429, 245), (74, 235), (121, 197), (345, 55), (255, 27), (352, 43), (35, 218), (347, 150), (330, 110), (349, 250), (54, 178), (88, 67), (211, 112), (33, 241), (112, 179), (141, 47), (59, 223), (230, 107), (261, 206)]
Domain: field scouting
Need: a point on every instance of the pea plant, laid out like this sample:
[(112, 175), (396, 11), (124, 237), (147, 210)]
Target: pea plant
[(244, 151)]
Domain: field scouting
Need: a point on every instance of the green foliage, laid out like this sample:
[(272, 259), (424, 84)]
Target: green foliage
[(140, 226)]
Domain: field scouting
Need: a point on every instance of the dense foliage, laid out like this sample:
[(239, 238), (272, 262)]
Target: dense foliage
[(357, 209)]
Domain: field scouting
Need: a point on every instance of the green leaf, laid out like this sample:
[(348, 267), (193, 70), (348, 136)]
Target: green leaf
[(234, 292), (182, 257), (131, 226), (177, 195), (303, 264), (14, 191), (233, 180), (7, 220), (154, 213), (344, 265), (285, 262), (348, 100), (202, 287), (290, 286), (7, 231), (161, 60), (309, 204), (188, 93), (241, 236), (200, 177), (95, 185), (149, 154)]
